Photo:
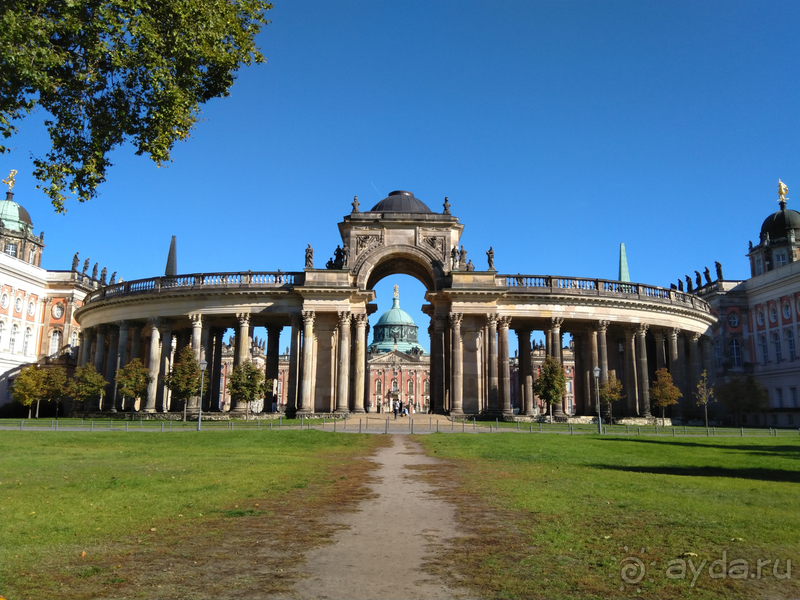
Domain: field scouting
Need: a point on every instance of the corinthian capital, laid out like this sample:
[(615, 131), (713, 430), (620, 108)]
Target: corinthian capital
[(243, 318), (503, 322), (491, 320), (308, 317), (344, 318), (455, 319)]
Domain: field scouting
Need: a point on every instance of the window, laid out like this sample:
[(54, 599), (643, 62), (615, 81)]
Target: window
[(736, 353), (394, 385), (55, 342), (773, 314), (12, 343), (776, 341), (410, 387), (780, 258), (11, 249), (427, 387), (787, 311), (31, 256), (790, 344), (762, 342), (733, 320), (779, 397), (378, 386), (759, 266), (74, 343), (760, 317), (569, 387), (793, 397), (26, 341)]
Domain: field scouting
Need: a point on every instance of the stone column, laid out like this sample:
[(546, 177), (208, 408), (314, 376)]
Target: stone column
[(343, 371), (602, 350), (661, 360), (307, 395), (641, 371), (631, 381), (525, 372), (273, 353), (708, 359), (153, 364), (594, 353), (294, 357), (456, 400), (216, 369), (579, 379), (207, 354), (111, 366), (675, 371), (505, 367), (438, 387), (166, 355), (494, 405), (88, 335), (197, 333), (242, 339), (124, 327), (136, 341), (555, 332), (360, 363), (68, 320), (100, 348)]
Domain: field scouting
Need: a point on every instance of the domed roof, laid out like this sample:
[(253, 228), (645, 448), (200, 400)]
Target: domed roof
[(13, 216), (400, 201), (778, 224), (395, 316), (396, 330)]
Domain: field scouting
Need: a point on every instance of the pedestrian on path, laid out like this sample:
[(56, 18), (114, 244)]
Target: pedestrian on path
[(395, 408)]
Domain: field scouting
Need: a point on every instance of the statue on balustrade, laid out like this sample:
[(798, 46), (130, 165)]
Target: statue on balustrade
[(454, 258), (94, 272), (707, 275), (75, 261), (689, 284), (103, 274), (113, 279), (698, 279), (309, 257), (356, 204), (338, 257), (470, 266), (86, 265), (680, 285), (672, 286), (719, 269), (462, 260), (490, 256)]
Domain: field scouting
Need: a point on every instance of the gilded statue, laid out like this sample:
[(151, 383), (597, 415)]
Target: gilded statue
[(10, 180), (782, 190)]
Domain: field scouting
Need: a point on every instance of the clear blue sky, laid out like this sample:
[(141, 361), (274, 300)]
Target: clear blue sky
[(557, 129)]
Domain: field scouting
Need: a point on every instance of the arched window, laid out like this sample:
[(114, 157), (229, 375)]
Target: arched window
[(762, 342), (73, 341), (378, 386), (394, 385), (776, 341), (55, 342), (427, 386), (790, 344), (12, 342), (410, 387), (26, 341), (736, 353)]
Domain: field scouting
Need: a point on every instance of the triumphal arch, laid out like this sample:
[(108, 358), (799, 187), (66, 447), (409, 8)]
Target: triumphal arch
[(626, 328)]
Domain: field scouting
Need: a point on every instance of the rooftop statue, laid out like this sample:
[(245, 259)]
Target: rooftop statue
[(680, 285), (454, 258), (113, 279), (103, 274), (396, 291), (490, 256), (707, 275), (86, 265), (698, 279), (309, 257), (75, 262), (446, 206), (470, 266), (10, 180), (719, 270), (94, 272), (689, 284), (782, 191), (356, 204)]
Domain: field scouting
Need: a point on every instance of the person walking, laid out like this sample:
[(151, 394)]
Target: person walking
[(395, 408)]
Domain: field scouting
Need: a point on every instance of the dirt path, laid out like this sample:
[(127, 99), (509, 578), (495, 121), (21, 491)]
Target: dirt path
[(381, 548)]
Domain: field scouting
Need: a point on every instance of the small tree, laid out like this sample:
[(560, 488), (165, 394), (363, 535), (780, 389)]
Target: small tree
[(27, 387), (552, 382), (86, 385), (663, 392), (184, 379), (54, 385), (740, 395), (246, 384), (704, 394), (132, 381), (610, 392)]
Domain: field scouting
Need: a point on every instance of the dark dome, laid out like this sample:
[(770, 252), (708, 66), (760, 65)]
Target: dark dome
[(402, 202), (778, 224)]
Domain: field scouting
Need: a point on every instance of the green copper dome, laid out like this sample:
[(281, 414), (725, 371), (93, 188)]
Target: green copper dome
[(396, 329), (14, 217)]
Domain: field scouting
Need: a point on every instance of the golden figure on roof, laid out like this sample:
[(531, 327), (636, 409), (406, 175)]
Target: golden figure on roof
[(782, 191), (396, 291), (10, 179)]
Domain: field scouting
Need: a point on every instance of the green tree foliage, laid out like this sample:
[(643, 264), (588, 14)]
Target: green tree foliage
[(28, 386), (742, 395), (246, 384), (610, 392), (108, 72), (54, 385), (184, 379), (704, 394), (663, 392), (133, 379), (552, 382), (86, 385)]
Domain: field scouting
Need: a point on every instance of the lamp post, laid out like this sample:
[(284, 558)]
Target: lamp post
[(596, 371), (203, 365)]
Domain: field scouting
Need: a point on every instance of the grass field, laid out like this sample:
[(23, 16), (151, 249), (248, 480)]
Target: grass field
[(562, 516), (89, 515)]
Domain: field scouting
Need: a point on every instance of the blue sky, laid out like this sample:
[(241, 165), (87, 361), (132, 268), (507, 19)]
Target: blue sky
[(557, 129)]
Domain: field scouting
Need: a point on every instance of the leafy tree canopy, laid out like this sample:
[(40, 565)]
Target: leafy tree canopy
[(663, 392), (54, 384), (133, 379), (87, 384), (552, 381), (111, 71), (28, 385), (246, 383), (740, 395), (611, 390), (184, 379)]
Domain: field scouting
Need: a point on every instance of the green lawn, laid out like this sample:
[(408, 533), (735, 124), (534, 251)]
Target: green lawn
[(569, 513), (66, 493)]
